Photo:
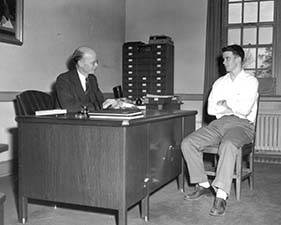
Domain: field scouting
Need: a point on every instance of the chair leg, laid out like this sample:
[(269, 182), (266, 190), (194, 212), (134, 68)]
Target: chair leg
[(215, 162), (238, 174), (251, 167)]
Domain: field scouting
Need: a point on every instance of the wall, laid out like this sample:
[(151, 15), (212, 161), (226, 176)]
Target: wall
[(52, 30), (185, 22)]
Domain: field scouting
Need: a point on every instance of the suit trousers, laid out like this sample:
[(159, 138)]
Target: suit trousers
[(229, 132)]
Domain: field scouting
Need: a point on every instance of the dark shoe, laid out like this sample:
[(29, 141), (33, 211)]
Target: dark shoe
[(199, 193), (218, 207)]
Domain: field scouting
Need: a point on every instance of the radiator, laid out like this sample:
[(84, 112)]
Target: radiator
[(268, 134)]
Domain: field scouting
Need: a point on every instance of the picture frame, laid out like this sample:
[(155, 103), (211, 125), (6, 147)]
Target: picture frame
[(11, 21)]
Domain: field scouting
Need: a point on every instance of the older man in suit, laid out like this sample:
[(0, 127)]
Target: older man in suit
[(78, 87)]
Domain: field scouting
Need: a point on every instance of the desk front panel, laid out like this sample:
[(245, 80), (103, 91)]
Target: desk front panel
[(82, 164), (164, 152)]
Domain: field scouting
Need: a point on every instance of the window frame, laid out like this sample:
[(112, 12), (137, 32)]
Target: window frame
[(276, 46)]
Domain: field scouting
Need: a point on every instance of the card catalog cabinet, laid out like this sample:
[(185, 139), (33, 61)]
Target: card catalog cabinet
[(148, 69)]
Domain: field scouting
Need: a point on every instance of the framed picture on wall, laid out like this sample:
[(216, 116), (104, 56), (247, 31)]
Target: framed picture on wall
[(11, 21)]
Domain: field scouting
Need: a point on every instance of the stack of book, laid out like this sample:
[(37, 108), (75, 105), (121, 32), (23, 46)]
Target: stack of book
[(117, 114)]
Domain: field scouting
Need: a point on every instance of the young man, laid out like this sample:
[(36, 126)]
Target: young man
[(233, 100)]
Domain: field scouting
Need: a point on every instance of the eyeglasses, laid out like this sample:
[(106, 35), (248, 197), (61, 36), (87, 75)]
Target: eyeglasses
[(96, 62)]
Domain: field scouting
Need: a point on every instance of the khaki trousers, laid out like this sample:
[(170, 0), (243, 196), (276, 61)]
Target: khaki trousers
[(230, 132)]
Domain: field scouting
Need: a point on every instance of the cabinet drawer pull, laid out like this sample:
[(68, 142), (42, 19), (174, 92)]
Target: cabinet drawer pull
[(146, 179), (171, 148)]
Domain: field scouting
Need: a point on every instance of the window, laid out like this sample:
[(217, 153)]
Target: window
[(253, 24)]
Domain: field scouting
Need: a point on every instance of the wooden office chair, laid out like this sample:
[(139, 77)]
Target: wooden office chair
[(241, 171), (31, 100)]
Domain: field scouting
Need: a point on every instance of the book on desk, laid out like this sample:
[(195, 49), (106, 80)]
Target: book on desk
[(118, 114), (50, 112)]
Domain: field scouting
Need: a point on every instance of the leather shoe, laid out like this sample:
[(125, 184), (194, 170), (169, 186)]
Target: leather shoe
[(218, 207), (199, 193)]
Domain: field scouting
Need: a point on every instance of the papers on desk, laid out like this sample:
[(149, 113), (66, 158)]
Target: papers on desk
[(160, 99), (50, 112), (159, 96), (117, 114)]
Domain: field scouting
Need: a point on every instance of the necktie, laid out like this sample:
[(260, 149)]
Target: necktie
[(87, 86)]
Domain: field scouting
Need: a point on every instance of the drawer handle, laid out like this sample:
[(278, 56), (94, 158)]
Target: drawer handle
[(146, 180), (171, 148)]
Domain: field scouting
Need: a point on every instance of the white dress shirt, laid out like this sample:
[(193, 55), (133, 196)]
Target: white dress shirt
[(241, 96), (82, 80)]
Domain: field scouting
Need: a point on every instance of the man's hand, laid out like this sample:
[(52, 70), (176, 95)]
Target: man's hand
[(109, 103), (223, 103), (120, 103)]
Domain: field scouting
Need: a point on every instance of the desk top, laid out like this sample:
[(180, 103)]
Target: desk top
[(150, 115)]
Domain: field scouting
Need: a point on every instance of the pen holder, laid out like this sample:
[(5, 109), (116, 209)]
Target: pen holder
[(117, 91)]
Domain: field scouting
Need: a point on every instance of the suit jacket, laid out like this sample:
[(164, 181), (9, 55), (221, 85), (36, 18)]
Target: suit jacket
[(71, 95)]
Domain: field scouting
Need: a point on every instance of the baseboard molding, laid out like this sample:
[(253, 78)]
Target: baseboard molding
[(7, 168)]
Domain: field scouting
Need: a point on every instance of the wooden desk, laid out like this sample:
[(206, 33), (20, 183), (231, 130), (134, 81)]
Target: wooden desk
[(100, 163)]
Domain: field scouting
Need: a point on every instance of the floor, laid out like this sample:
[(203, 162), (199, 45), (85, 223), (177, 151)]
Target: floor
[(167, 207)]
